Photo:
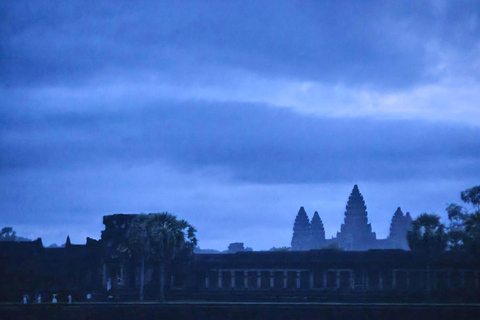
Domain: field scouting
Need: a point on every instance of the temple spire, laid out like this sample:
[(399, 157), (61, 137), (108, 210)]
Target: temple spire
[(301, 231), (317, 232), (356, 233), (398, 230)]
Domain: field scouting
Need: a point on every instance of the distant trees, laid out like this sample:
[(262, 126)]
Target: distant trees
[(279, 249), (333, 246), (428, 238), (159, 237), (464, 228), (8, 234), (236, 247)]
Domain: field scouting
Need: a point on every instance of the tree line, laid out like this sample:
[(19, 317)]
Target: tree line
[(430, 237)]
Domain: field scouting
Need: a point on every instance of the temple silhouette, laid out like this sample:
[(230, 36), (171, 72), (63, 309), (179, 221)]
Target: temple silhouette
[(353, 266), (355, 233)]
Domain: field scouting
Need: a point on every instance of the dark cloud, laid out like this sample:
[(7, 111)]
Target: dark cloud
[(91, 123), (256, 143), (357, 43)]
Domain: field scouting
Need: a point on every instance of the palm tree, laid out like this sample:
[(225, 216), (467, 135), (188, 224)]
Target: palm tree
[(472, 233), (139, 243), (159, 236), (428, 239), (168, 236)]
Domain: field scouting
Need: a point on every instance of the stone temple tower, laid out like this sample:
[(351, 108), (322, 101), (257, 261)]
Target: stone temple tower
[(356, 233), (301, 231)]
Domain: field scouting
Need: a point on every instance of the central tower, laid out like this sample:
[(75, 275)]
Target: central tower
[(356, 233)]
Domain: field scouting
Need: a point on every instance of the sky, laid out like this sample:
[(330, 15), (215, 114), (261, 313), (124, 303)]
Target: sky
[(233, 114)]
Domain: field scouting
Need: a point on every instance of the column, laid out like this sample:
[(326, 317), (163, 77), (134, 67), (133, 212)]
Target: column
[(449, 279), (232, 273), (259, 279), (285, 278), (380, 280), (324, 279), (435, 279), (311, 280), (271, 279), (121, 275), (219, 279), (408, 280), (245, 279), (207, 282), (352, 280), (338, 279), (394, 282), (367, 280), (104, 275), (298, 279)]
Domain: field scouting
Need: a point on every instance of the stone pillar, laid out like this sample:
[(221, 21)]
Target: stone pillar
[(380, 280), (232, 273), (394, 275), (271, 280), (259, 279), (285, 278), (324, 279), (352, 280), (104, 275), (245, 279), (298, 279), (366, 280), (121, 275), (311, 280), (220, 279), (408, 280), (338, 279), (207, 282)]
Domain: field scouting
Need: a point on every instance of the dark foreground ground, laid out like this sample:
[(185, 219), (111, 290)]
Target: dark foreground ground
[(237, 310)]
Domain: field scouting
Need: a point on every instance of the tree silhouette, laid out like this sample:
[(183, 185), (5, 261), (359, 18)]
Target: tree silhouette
[(472, 196), (428, 239), (8, 234), (138, 241), (464, 228), (160, 236)]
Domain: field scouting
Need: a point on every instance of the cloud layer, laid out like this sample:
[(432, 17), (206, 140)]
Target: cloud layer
[(221, 110)]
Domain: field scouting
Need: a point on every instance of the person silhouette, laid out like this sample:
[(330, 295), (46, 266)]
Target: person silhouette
[(54, 299)]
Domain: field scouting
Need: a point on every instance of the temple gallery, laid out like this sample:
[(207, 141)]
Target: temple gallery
[(354, 262)]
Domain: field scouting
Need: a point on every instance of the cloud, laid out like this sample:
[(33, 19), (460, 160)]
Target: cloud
[(255, 143), (374, 45), (221, 111)]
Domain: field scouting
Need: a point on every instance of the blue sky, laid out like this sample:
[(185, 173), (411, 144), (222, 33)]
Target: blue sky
[(233, 114)]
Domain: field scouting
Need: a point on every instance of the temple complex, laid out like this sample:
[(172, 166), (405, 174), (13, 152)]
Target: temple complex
[(355, 233), (353, 266)]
